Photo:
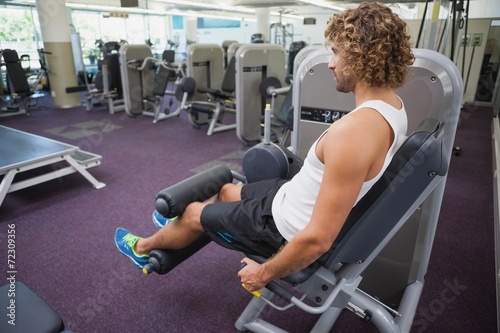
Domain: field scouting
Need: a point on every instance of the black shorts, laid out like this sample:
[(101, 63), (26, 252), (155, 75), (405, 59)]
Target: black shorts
[(246, 225)]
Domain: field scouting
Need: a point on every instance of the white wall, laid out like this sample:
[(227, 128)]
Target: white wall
[(484, 9), (218, 35), (311, 34)]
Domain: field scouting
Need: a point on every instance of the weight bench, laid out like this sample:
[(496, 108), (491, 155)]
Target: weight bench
[(331, 282), (23, 152)]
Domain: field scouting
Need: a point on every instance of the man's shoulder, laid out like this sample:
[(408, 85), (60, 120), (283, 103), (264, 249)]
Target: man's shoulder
[(362, 119)]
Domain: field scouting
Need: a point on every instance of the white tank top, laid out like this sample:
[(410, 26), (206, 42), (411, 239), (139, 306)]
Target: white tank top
[(294, 202)]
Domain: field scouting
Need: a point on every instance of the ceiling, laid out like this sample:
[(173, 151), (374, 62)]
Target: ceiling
[(238, 7), (191, 5), (234, 8)]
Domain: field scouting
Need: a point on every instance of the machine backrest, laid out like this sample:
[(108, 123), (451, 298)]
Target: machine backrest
[(114, 74), (15, 73), (168, 56), (161, 77), (412, 170), (418, 166), (285, 114), (229, 81)]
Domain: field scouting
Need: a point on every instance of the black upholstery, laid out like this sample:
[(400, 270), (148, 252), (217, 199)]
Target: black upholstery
[(32, 314), (10, 56), (115, 77), (294, 49), (168, 56), (18, 83), (229, 81), (413, 167), (162, 76), (172, 201), (228, 85)]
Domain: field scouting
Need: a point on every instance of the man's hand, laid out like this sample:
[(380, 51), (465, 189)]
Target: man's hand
[(251, 275)]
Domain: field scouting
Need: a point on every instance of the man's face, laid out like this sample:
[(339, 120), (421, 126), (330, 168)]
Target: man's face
[(344, 83)]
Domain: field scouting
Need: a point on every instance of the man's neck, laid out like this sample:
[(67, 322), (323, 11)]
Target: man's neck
[(363, 93)]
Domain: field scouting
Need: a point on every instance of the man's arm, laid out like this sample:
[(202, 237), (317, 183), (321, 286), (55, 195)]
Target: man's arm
[(349, 151)]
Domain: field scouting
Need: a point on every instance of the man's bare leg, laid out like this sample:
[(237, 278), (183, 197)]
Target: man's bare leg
[(187, 228)]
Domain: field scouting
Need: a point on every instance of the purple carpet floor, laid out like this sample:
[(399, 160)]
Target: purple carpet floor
[(66, 254)]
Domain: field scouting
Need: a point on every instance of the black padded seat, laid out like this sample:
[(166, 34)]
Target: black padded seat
[(31, 314), (202, 107)]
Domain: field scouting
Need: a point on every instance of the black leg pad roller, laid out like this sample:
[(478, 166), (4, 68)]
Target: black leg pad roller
[(163, 261), (173, 200)]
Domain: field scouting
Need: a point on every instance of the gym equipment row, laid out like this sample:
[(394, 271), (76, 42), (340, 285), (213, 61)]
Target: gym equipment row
[(207, 91), (378, 264), (239, 91)]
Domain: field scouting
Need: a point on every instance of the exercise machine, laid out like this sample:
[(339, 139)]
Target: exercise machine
[(107, 89), (135, 83), (166, 72), (396, 275), (37, 79), (18, 86), (426, 90), (26, 151), (252, 64), (219, 101), (363, 272), (205, 66), (271, 88), (255, 63), (207, 92), (155, 76), (277, 123)]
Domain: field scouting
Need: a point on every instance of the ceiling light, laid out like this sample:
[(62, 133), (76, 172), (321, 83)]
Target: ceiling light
[(323, 4), (208, 6), (290, 16), (116, 9)]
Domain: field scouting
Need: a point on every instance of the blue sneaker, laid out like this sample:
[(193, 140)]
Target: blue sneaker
[(160, 221), (125, 242)]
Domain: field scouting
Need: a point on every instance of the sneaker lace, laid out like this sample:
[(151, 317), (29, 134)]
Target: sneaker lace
[(130, 240)]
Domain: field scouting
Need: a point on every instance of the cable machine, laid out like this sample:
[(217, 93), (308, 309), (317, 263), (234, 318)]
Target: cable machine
[(281, 33)]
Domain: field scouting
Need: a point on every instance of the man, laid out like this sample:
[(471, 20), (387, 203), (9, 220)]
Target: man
[(295, 222)]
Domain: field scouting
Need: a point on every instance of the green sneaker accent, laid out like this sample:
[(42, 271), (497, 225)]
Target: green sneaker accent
[(125, 242), (131, 240)]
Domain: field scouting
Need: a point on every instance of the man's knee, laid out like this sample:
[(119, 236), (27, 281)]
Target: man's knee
[(192, 214), (230, 192)]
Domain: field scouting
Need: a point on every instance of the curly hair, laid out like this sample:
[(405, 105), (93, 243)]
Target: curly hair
[(375, 44)]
